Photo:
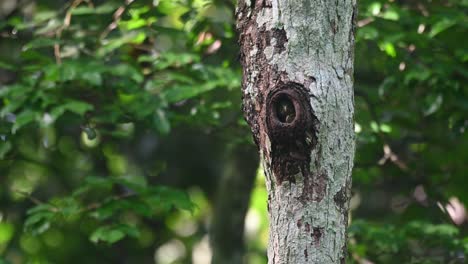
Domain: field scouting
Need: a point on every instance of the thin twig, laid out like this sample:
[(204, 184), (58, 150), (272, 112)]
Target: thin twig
[(98, 205), (66, 24), (117, 16), (33, 199), (388, 152)]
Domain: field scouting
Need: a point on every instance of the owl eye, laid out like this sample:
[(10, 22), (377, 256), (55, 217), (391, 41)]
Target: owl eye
[(284, 108)]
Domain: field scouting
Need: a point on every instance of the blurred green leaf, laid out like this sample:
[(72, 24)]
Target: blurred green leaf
[(41, 43), (38, 222), (77, 107), (440, 26), (6, 232), (5, 147), (161, 122), (4, 261), (23, 119), (113, 233), (104, 8), (389, 48), (6, 66)]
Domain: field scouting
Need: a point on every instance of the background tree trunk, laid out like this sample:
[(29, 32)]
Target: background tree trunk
[(298, 100), (231, 205)]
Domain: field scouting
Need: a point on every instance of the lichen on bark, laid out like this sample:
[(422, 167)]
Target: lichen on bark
[(304, 47)]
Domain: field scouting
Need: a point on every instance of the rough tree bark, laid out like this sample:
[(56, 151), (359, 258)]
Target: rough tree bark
[(297, 58)]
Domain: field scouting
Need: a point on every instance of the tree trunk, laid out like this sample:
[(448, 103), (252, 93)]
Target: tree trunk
[(297, 59), (231, 205)]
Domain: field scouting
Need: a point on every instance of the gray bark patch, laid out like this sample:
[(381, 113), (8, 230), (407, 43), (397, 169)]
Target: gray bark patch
[(315, 188)]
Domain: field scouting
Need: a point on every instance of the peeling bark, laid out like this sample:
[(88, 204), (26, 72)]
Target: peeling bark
[(297, 59)]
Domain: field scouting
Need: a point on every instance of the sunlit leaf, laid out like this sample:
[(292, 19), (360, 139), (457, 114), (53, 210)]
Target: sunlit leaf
[(6, 232), (441, 26), (105, 8), (113, 233), (389, 48)]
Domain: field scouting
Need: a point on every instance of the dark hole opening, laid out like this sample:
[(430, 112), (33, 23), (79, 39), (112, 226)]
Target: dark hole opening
[(284, 109)]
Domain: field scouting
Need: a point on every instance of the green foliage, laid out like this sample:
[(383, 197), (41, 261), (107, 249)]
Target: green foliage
[(100, 79), (413, 242), (114, 233), (95, 83), (94, 199), (410, 95)]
